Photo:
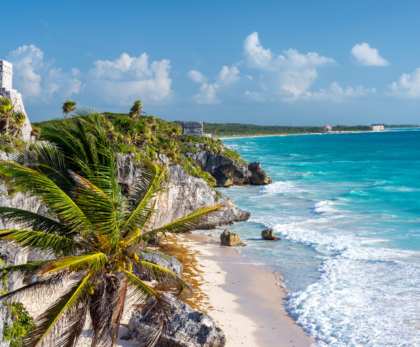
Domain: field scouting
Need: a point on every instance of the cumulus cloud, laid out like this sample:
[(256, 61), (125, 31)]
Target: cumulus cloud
[(197, 76), (38, 80), (338, 94), (128, 78), (407, 86), (290, 74), (367, 56), (207, 92), (228, 75)]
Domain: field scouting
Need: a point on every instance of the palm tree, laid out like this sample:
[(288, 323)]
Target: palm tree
[(135, 111), (93, 232), (6, 111), (68, 107)]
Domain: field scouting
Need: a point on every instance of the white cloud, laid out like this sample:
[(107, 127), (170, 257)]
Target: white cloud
[(289, 75), (338, 94), (197, 76), (128, 78), (255, 96), (228, 75), (367, 56), (38, 81), (207, 94), (407, 86)]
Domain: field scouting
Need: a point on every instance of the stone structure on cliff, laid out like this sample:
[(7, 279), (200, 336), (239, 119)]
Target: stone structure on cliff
[(194, 129), (6, 90)]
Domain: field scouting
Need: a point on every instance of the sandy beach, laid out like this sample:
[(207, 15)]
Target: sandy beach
[(246, 300)]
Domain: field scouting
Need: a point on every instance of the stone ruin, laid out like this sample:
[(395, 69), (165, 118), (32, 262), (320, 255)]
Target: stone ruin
[(194, 129), (6, 90)]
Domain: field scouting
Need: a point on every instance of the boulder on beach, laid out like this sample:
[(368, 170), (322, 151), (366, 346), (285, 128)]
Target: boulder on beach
[(268, 234), (230, 239), (184, 328)]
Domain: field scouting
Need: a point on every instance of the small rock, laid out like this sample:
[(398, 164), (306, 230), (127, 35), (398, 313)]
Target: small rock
[(230, 239), (268, 234)]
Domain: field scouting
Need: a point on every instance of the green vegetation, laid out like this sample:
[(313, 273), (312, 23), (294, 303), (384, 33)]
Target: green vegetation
[(237, 129), (148, 136), (94, 231), (22, 322), (68, 107), (400, 126)]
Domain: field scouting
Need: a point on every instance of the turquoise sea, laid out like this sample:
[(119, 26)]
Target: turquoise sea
[(347, 207)]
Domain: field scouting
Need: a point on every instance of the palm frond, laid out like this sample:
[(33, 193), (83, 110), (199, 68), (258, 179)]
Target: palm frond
[(37, 184), (98, 208), (91, 261), (46, 158), (27, 219), (148, 186), (23, 269), (72, 299), (162, 273), (194, 220), (143, 291), (40, 241), (75, 326), (42, 286)]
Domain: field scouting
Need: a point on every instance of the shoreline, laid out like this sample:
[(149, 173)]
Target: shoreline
[(327, 133), (250, 314)]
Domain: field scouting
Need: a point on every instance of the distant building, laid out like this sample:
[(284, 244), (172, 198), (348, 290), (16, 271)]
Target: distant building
[(377, 127), (327, 129), (194, 129)]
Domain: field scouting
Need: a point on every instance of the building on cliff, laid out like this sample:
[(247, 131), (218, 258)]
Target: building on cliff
[(327, 129), (6, 90), (194, 129)]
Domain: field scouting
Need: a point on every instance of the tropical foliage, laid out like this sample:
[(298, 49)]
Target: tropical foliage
[(6, 112), (93, 232), (135, 111), (68, 107), (22, 322)]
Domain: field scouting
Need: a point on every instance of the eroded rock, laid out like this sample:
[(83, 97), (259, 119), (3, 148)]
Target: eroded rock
[(231, 239), (268, 234), (185, 328), (258, 177)]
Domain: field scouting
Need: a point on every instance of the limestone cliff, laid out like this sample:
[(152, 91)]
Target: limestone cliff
[(229, 173), (185, 195)]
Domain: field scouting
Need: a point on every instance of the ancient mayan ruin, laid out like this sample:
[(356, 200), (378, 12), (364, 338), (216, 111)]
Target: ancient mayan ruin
[(194, 129), (6, 90)]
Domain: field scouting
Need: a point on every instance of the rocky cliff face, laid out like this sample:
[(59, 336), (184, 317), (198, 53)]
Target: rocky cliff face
[(185, 195), (228, 173)]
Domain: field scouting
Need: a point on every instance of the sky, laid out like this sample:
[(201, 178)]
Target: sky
[(255, 62)]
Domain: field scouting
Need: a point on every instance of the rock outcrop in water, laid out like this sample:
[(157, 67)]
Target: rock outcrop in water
[(228, 173), (268, 234), (229, 239), (185, 327)]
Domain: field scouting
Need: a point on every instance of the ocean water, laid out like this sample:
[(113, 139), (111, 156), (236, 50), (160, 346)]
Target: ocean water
[(347, 208)]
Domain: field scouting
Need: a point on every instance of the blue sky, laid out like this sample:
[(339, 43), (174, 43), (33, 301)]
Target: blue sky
[(265, 62)]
